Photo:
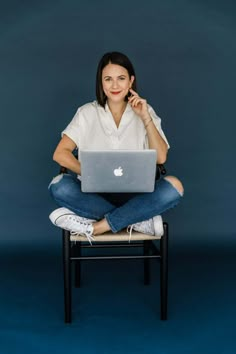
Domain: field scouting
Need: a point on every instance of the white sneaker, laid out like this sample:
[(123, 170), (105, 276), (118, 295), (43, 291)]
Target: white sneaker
[(68, 220), (152, 227)]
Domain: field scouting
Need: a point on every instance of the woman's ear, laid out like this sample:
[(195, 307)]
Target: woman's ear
[(132, 80)]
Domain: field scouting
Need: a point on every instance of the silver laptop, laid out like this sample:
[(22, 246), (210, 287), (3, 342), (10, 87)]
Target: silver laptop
[(118, 171)]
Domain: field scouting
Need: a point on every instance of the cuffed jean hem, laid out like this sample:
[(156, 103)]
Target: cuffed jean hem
[(113, 229)]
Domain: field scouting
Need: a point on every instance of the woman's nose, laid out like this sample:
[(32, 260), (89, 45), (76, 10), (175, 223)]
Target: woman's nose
[(114, 84)]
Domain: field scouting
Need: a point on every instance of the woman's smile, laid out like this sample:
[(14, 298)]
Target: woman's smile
[(116, 82), (115, 92)]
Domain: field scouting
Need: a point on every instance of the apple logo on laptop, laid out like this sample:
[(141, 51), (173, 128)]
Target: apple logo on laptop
[(118, 171)]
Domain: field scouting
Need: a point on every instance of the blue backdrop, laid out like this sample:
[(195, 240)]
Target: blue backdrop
[(184, 53)]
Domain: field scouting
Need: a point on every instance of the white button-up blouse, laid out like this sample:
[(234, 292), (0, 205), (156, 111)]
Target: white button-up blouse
[(93, 128)]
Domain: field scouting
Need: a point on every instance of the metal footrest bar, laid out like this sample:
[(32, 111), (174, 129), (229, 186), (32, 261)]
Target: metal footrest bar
[(112, 257)]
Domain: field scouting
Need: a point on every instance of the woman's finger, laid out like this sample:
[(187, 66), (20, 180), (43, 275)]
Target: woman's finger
[(133, 92), (136, 101), (132, 98)]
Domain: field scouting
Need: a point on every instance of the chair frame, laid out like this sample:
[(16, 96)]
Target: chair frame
[(72, 253)]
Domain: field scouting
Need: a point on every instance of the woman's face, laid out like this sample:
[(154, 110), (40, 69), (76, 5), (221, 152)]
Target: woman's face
[(116, 82)]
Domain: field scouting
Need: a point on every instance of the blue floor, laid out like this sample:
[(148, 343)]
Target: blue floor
[(113, 312)]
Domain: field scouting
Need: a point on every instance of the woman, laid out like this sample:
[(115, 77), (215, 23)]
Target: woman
[(118, 119)]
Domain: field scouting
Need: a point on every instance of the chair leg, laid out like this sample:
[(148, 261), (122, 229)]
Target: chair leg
[(146, 262), (164, 272), (77, 264), (67, 274)]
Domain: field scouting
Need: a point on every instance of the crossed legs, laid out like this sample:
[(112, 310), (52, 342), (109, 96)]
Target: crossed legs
[(66, 191)]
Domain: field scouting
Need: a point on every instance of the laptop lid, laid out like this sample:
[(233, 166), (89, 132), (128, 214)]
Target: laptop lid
[(118, 171)]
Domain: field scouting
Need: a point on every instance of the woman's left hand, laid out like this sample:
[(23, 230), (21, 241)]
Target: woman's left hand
[(139, 105)]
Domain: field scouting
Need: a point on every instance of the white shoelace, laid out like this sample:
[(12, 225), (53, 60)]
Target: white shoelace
[(129, 230), (90, 238), (86, 229)]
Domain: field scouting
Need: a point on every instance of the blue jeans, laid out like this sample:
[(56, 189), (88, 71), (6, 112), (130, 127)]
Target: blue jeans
[(119, 209)]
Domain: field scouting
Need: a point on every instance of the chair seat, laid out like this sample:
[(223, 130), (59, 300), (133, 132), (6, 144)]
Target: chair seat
[(122, 235)]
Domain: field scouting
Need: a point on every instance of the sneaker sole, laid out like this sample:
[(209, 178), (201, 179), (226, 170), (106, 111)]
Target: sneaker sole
[(59, 212)]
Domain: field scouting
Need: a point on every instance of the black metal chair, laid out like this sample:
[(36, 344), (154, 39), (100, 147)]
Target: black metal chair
[(73, 253)]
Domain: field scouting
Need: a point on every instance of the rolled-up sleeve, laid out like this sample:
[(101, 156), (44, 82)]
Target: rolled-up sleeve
[(72, 129), (157, 122)]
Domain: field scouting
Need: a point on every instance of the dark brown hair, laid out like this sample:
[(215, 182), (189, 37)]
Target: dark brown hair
[(113, 58)]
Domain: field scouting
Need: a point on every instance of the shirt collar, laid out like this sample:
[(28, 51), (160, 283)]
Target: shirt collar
[(128, 108)]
